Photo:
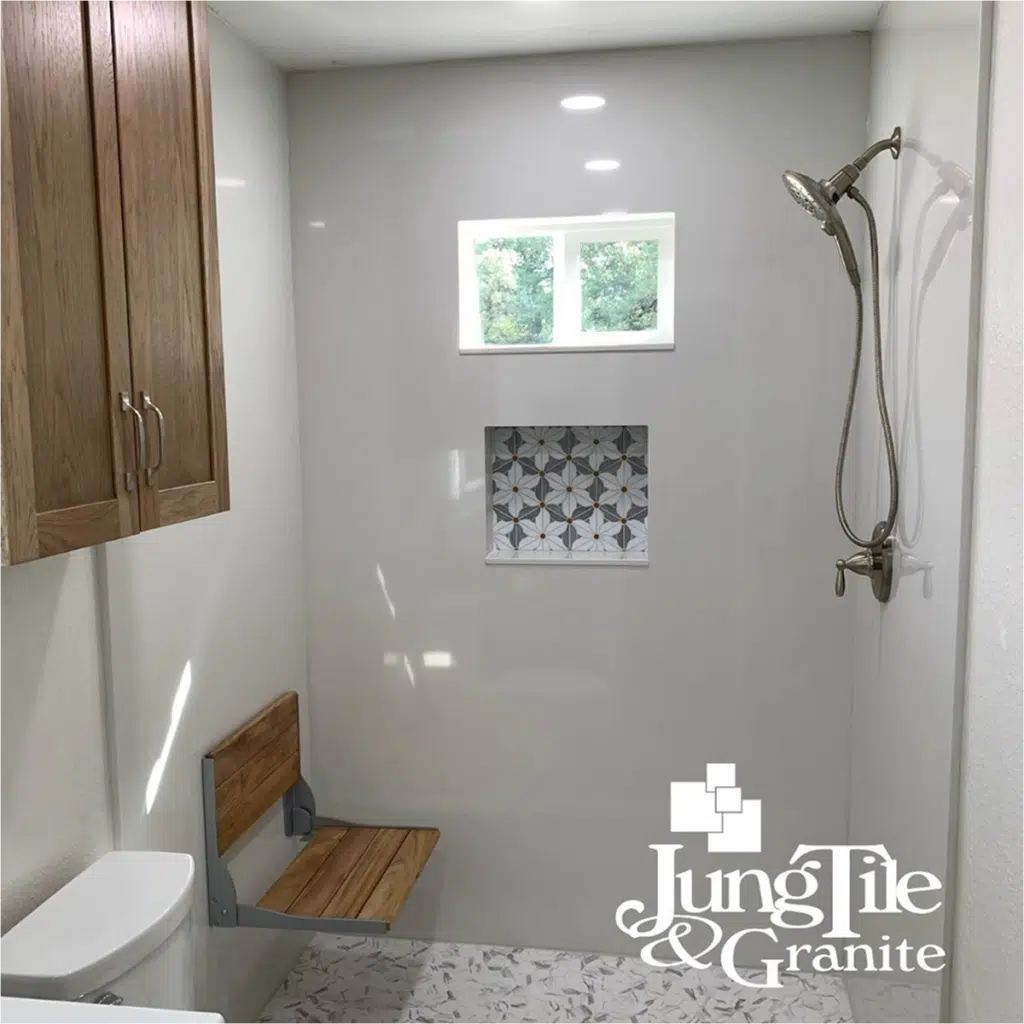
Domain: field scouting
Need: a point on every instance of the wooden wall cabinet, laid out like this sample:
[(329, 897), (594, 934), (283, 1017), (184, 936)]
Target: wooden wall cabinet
[(113, 417)]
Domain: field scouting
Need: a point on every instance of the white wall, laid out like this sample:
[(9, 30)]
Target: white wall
[(988, 949), (546, 751), (56, 807), (925, 73), (223, 595)]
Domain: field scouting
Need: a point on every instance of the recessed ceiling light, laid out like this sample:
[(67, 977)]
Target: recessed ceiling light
[(231, 183), (584, 102), (318, 223), (602, 165)]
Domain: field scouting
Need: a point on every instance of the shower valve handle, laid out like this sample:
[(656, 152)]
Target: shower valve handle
[(863, 563)]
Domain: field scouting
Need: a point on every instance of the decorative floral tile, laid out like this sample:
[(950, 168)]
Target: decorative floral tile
[(568, 489), (341, 978)]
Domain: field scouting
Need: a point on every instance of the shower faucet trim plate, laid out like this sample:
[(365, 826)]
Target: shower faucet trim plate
[(875, 562)]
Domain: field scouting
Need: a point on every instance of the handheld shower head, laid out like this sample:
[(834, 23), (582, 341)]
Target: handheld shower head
[(811, 195)]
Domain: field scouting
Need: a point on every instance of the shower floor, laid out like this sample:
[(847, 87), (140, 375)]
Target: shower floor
[(352, 979)]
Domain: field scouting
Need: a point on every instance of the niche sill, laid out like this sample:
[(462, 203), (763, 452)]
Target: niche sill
[(626, 559)]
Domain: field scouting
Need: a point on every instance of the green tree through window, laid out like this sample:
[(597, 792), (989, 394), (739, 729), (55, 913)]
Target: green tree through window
[(516, 282), (620, 286)]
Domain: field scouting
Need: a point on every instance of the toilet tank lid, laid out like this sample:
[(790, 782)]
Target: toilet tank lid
[(100, 925)]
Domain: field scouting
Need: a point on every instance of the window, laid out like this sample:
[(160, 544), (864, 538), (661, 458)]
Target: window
[(569, 283)]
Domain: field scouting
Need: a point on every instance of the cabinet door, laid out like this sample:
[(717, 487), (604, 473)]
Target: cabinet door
[(65, 440), (163, 105)]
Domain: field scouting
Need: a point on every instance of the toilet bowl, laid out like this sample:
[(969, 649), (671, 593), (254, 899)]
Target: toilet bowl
[(118, 932)]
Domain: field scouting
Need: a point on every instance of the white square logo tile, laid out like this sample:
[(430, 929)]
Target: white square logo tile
[(717, 808)]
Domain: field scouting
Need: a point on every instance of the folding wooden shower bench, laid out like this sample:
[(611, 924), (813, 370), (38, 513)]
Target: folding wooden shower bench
[(350, 879)]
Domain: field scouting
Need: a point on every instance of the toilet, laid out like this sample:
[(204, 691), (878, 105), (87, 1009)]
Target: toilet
[(118, 932)]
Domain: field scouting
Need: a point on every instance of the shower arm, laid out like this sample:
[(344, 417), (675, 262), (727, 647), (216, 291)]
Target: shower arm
[(893, 145), (843, 180)]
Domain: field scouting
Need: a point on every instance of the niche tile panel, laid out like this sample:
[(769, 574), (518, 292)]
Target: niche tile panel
[(578, 493)]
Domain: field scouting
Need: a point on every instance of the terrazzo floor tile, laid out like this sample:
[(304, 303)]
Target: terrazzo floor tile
[(879, 1000), (352, 979)]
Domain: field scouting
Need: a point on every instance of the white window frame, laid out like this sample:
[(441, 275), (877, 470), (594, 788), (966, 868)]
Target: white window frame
[(568, 234)]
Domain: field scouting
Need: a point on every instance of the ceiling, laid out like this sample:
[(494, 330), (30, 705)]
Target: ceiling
[(296, 34)]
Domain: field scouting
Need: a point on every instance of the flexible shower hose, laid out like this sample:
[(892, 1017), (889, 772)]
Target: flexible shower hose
[(883, 411)]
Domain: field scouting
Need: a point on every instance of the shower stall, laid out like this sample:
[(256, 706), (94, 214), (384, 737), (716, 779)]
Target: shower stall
[(546, 742)]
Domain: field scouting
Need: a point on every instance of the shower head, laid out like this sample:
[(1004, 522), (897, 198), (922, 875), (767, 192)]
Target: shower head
[(819, 198), (811, 195)]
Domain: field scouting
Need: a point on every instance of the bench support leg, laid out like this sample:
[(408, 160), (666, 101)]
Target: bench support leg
[(220, 887), (322, 822), (260, 917)]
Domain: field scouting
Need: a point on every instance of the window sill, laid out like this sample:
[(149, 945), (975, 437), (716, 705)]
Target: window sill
[(627, 559), (617, 346)]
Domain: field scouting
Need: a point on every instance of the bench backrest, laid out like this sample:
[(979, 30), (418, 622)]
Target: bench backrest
[(254, 767)]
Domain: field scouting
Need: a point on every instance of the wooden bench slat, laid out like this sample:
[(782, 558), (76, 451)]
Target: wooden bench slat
[(391, 891), (241, 816), (257, 768), (299, 873), (333, 873), (348, 900), (230, 754)]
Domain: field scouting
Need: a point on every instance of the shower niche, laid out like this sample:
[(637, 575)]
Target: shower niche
[(567, 495)]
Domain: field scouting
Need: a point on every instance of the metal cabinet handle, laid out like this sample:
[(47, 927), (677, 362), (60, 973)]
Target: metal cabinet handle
[(148, 403), (131, 475)]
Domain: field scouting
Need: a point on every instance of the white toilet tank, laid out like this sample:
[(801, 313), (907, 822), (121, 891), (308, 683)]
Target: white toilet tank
[(120, 927)]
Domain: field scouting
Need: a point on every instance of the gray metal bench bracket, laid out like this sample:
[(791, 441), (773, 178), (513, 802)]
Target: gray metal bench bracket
[(299, 810)]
